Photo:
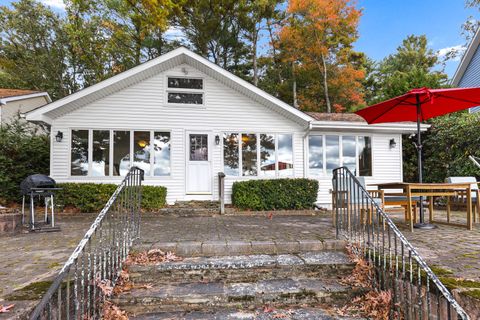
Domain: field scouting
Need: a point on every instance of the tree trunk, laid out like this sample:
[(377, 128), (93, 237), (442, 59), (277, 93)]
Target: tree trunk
[(274, 51), (254, 58), (295, 101), (325, 85)]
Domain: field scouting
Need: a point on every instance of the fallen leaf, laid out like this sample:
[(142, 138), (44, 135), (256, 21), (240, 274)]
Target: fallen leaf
[(5, 309)]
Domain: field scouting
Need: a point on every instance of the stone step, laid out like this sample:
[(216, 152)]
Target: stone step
[(210, 296), (246, 268), (260, 314), (235, 247)]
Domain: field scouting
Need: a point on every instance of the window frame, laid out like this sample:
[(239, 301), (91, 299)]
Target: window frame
[(110, 176), (323, 173), (240, 160), (184, 90)]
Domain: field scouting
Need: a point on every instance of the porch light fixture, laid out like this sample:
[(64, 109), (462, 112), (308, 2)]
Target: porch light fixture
[(393, 144), (59, 136), (217, 139)]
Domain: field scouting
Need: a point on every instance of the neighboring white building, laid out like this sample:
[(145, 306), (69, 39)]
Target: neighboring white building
[(14, 102), (184, 119), (468, 71)]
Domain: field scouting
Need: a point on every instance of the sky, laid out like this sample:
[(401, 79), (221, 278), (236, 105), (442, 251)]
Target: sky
[(385, 23)]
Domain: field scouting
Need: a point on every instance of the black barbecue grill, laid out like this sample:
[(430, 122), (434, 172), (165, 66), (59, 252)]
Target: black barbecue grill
[(39, 186)]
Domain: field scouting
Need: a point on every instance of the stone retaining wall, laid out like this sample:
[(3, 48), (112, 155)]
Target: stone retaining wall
[(10, 223)]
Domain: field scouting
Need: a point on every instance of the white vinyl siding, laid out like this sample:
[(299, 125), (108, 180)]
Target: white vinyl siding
[(142, 107)]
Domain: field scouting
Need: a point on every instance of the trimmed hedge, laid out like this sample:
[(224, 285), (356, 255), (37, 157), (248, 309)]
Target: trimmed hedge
[(275, 194), (92, 197)]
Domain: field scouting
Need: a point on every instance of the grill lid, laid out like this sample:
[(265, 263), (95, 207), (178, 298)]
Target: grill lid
[(36, 181)]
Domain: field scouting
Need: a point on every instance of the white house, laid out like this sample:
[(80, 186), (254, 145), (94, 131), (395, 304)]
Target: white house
[(468, 70), (15, 102), (184, 119)]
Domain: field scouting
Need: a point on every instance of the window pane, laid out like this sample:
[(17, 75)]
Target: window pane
[(198, 147), (349, 153), (121, 152), (161, 154), (185, 83), (185, 98), (267, 155), (79, 151), (365, 156), (101, 153), (230, 154), (249, 154), (332, 152), (315, 154), (285, 154), (141, 150)]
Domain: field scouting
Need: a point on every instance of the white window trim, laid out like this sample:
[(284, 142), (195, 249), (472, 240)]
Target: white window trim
[(110, 176), (184, 90), (340, 150), (240, 161)]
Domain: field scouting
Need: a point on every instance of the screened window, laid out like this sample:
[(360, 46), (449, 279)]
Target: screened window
[(121, 152), (185, 98), (185, 83), (101, 153), (285, 155), (161, 154), (365, 156), (349, 153), (230, 154), (326, 153), (249, 154), (332, 149), (141, 150), (185, 91), (267, 155), (264, 154), (315, 154), (79, 153)]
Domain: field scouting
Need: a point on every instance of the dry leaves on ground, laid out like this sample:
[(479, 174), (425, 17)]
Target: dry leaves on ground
[(105, 286), (112, 312), (124, 283), (153, 256), (373, 305), (5, 309), (362, 274)]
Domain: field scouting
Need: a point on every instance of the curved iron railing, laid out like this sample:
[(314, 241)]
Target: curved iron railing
[(417, 293), (78, 291)]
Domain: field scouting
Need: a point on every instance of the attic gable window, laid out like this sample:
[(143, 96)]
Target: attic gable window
[(184, 90)]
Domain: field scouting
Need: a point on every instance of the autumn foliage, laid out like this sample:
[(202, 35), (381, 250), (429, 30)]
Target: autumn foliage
[(317, 41)]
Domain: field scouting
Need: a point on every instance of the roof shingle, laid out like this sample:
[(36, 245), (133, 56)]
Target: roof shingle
[(349, 117), (7, 93)]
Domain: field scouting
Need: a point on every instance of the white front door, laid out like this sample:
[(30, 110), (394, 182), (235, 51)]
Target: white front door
[(199, 171)]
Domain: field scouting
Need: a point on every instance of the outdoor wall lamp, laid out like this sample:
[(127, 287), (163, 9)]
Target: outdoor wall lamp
[(59, 136), (393, 144), (217, 139)]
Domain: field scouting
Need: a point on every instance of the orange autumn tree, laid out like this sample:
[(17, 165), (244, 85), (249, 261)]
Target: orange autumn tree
[(316, 42)]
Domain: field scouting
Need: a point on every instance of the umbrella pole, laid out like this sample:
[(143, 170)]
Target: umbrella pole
[(421, 224)]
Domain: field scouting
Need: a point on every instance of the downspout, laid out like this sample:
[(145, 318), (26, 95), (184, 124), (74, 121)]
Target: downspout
[(305, 149)]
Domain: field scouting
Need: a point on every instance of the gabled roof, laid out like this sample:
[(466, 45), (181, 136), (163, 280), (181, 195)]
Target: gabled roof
[(7, 95), (148, 69), (350, 117), (466, 59)]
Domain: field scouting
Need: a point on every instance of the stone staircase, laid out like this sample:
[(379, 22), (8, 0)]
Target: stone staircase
[(303, 285)]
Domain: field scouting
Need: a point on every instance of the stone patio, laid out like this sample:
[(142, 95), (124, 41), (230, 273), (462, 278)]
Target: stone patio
[(28, 259)]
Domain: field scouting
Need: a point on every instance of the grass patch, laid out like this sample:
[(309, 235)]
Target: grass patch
[(34, 291)]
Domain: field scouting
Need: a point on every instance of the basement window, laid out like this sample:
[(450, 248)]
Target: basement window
[(185, 90)]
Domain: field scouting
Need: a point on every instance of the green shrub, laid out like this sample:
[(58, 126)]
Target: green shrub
[(22, 152), (275, 194), (92, 197)]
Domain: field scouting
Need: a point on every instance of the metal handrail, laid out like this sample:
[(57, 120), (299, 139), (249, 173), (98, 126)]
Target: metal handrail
[(416, 290), (97, 260)]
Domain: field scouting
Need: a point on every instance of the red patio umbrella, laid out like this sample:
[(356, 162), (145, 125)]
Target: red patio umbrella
[(419, 105)]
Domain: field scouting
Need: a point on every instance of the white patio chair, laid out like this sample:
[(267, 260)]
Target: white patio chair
[(462, 197)]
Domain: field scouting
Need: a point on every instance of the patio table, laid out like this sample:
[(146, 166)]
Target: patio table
[(431, 190)]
